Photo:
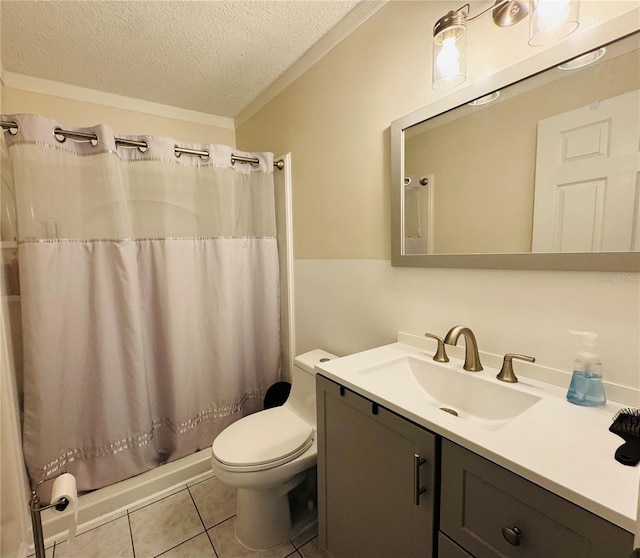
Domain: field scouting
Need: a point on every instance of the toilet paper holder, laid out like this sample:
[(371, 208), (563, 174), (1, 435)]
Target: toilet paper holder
[(36, 521)]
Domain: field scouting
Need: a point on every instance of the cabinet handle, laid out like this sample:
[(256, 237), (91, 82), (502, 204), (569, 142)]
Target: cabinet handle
[(417, 489), (512, 535)]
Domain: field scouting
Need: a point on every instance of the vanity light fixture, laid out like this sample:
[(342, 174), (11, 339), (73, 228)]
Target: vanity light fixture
[(550, 21)]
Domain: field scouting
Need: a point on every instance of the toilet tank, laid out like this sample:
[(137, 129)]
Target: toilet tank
[(302, 399)]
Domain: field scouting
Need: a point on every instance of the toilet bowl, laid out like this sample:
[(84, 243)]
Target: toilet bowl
[(270, 458)]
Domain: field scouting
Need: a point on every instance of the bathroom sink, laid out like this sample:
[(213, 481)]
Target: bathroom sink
[(471, 396)]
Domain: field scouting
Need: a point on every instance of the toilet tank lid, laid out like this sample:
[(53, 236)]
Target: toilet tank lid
[(307, 361)]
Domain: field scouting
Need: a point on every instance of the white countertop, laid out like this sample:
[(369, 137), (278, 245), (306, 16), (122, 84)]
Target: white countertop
[(562, 447)]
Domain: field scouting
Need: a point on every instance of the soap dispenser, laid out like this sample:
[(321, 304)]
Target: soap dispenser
[(586, 383)]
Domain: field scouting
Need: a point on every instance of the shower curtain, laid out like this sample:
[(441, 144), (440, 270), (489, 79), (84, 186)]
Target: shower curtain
[(149, 291)]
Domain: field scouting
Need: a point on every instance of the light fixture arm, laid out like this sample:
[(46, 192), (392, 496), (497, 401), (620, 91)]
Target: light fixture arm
[(497, 5), (505, 13), (489, 9)]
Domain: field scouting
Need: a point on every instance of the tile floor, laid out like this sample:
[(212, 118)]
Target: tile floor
[(195, 521)]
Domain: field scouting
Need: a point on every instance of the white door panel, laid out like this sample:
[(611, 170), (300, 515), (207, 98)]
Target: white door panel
[(586, 188)]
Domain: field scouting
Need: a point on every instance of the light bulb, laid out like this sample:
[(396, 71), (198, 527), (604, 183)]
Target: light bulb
[(552, 20), (448, 59), (552, 14), (449, 51)]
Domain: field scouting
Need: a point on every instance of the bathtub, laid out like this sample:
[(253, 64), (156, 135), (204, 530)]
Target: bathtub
[(108, 503)]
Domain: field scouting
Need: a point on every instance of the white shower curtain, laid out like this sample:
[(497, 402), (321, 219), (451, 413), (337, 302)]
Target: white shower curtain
[(149, 285)]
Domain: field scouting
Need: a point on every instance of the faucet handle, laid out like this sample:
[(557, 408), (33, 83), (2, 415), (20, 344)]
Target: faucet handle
[(441, 355), (506, 372)]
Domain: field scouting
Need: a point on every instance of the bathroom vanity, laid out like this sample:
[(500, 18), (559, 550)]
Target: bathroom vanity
[(398, 476)]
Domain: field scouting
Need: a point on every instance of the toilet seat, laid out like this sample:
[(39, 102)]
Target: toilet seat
[(262, 441)]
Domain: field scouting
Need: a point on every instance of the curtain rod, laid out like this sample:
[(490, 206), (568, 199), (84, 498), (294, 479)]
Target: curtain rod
[(62, 135)]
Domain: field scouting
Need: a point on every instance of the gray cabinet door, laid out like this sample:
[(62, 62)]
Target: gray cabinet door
[(367, 461), (493, 513)]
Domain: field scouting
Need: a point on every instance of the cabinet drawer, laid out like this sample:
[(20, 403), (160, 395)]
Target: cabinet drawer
[(481, 500)]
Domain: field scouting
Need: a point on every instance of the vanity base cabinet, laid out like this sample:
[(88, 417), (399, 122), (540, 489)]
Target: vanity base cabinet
[(491, 513), (376, 479), (448, 549)]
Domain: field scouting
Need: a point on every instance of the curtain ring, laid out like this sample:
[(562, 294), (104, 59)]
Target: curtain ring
[(58, 135), (176, 152), (254, 163), (205, 157), (143, 148), (13, 129), (61, 136)]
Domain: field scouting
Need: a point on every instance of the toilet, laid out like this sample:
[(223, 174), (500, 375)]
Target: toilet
[(270, 458)]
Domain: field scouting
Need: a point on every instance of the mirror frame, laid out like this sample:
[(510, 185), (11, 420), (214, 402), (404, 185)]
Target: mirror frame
[(602, 261)]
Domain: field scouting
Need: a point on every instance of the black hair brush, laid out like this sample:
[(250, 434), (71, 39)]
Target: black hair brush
[(626, 424)]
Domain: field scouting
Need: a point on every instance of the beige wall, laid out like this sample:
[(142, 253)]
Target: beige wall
[(335, 121), (121, 121)]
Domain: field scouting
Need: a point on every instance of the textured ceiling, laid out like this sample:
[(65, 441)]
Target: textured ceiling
[(209, 56)]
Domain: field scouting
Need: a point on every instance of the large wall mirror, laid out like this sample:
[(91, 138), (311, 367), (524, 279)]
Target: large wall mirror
[(536, 171)]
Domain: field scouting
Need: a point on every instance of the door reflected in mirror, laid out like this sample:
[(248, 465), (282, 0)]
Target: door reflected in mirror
[(550, 165)]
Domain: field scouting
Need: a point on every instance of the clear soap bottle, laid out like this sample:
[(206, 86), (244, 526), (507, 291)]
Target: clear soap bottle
[(586, 386)]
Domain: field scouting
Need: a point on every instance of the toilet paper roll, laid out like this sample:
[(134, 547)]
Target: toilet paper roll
[(65, 487)]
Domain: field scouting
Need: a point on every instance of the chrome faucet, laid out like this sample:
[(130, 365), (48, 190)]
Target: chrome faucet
[(471, 356)]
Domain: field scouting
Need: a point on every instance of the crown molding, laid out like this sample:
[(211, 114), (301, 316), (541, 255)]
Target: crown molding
[(76, 93), (347, 25)]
